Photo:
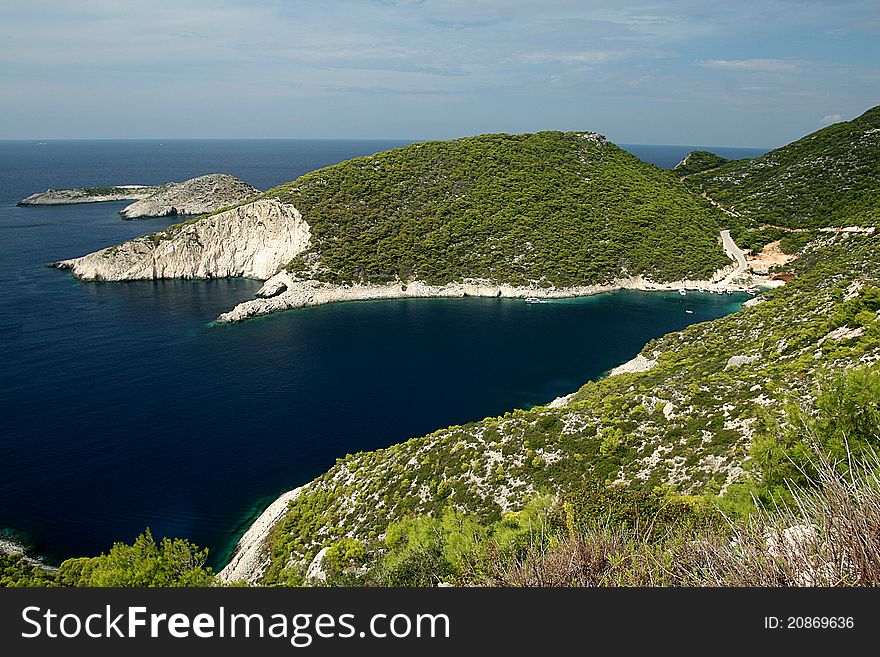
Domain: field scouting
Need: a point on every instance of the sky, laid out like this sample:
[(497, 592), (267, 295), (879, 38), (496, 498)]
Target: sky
[(733, 73)]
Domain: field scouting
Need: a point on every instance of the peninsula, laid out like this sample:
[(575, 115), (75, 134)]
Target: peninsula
[(550, 214)]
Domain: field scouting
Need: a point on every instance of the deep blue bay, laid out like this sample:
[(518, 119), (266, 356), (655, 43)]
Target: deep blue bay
[(122, 407)]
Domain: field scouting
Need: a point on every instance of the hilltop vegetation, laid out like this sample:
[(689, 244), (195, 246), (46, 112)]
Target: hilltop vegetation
[(697, 161), (828, 178), (563, 209)]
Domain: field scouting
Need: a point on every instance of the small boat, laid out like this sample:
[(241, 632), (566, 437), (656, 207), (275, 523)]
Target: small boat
[(534, 300), (682, 291), (689, 312)]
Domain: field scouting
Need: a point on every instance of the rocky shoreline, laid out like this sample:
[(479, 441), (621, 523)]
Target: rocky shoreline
[(10, 547), (249, 559), (283, 292)]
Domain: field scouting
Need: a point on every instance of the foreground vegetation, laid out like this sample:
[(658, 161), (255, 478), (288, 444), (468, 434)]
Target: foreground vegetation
[(807, 514), (168, 563), (687, 422)]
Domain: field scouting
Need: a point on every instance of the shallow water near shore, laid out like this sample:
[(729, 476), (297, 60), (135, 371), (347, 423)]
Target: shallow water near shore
[(121, 407)]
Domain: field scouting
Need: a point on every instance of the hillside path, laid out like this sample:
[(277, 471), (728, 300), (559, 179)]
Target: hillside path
[(734, 253)]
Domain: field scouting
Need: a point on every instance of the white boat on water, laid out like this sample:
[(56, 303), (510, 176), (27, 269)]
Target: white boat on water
[(534, 300), (689, 312), (682, 291)]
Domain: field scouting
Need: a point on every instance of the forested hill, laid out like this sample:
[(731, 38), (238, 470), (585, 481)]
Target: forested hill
[(558, 208), (829, 178), (697, 161)]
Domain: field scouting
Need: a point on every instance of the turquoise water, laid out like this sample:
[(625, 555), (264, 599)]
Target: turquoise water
[(121, 407)]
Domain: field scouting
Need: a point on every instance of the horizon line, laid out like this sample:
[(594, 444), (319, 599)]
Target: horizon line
[(400, 139)]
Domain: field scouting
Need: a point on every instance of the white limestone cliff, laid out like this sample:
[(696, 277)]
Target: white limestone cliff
[(254, 241), (250, 558)]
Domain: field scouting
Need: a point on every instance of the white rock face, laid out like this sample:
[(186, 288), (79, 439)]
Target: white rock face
[(253, 241), (792, 540), (843, 333), (194, 196), (315, 572), (250, 558), (739, 360), (561, 402), (638, 364)]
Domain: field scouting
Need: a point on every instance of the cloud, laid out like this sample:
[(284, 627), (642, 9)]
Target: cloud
[(831, 118), (513, 65), (382, 90), (584, 57), (757, 65)]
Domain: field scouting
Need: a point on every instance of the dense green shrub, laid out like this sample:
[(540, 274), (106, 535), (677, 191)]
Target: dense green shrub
[(16, 570), (649, 513), (169, 563), (844, 426)]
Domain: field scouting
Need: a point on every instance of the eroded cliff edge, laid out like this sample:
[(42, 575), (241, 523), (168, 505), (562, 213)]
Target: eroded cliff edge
[(191, 197), (254, 241)]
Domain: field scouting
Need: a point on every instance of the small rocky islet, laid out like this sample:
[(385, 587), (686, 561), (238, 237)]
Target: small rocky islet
[(200, 195)]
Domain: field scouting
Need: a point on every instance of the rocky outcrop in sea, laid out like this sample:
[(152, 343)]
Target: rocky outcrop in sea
[(191, 197), (195, 196), (90, 195)]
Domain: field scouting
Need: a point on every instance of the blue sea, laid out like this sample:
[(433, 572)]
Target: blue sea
[(122, 407)]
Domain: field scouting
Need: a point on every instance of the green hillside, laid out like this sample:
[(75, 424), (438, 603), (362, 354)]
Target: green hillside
[(697, 161), (687, 422), (559, 208), (828, 178)]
